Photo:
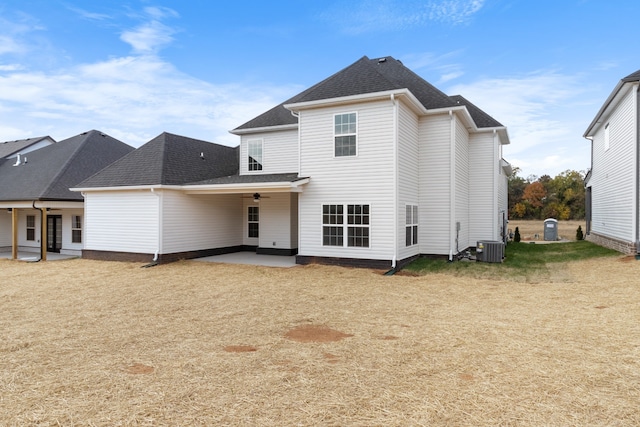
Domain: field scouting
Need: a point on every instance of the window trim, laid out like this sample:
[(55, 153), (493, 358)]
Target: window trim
[(354, 134), (343, 224), (75, 229), (250, 221), (260, 163), (31, 228), (411, 224)]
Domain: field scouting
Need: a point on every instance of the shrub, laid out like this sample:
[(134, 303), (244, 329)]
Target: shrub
[(579, 234), (516, 237)]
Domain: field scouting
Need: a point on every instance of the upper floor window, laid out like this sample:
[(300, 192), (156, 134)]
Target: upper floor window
[(254, 149), (345, 134), (76, 229), (606, 137)]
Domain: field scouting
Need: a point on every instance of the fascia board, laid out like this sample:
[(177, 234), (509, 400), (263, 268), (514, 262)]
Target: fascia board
[(366, 97), (621, 89), (264, 187), (126, 188), (264, 129)]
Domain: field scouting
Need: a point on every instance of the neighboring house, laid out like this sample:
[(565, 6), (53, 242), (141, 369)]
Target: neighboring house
[(613, 183), (41, 214), (373, 166), (13, 149)]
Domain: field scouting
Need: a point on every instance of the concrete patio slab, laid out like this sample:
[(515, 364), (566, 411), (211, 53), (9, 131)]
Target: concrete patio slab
[(252, 258)]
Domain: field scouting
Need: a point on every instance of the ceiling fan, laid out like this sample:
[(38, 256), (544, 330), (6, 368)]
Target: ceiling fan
[(256, 197)]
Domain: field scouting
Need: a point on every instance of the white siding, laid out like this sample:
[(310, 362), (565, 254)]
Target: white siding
[(482, 170), (275, 221), (122, 221), (461, 186), (613, 179), (5, 228), (367, 178), (408, 176), (23, 243), (68, 247), (195, 222), (435, 184), (279, 152)]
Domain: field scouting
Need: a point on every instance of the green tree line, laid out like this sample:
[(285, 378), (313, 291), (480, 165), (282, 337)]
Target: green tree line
[(544, 197)]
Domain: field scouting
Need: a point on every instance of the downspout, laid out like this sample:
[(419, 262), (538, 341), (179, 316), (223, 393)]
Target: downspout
[(452, 180), (297, 115), (43, 231), (156, 254), (395, 182), (495, 175)]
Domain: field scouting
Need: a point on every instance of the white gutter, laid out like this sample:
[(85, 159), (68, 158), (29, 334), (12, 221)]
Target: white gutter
[(264, 129), (413, 101), (395, 181), (127, 188)]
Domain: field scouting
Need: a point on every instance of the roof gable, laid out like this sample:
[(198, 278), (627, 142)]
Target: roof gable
[(369, 76), (48, 173), (168, 159), (8, 148)]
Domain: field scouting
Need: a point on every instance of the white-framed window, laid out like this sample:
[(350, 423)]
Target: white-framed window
[(254, 155), (76, 229), (253, 221), (606, 137), (31, 227), (411, 229), (355, 228), (345, 134)]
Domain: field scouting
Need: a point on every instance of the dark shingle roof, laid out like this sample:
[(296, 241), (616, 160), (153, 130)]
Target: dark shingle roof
[(480, 118), (367, 76), (633, 77), (8, 148), (50, 171), (168, 159)]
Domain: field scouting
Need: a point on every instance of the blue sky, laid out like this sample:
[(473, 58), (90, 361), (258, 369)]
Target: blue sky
[(199, 68)]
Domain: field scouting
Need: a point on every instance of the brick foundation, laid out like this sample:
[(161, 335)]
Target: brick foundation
[(628, 248)]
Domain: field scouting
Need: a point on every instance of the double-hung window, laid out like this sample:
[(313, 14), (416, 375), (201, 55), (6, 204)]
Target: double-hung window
[(355, 228), (254, 149), (31, 227), (253, 221), (76, 229), (411, 230), (345, 133)]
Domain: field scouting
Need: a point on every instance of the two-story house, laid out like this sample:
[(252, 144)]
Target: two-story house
[(613, 183), (373, 166)]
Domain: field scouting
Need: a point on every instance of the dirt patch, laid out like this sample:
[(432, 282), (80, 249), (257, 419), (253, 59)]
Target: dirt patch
[(139, 368), (240, 349), (315, 333), (331, 358)]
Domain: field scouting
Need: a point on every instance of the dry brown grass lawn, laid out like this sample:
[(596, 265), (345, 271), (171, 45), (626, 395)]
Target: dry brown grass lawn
[(88, 343), (529, 229)]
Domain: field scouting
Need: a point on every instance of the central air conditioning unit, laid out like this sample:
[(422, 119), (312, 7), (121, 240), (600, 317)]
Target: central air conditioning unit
[(489, 251)]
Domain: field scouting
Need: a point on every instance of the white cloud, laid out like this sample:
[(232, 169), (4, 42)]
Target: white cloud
[(151, 35), (544, 117), (375, 15), (133, 98)]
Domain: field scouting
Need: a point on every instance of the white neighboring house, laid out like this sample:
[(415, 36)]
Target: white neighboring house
[(613, 183), (40, 213), (371, 167)]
